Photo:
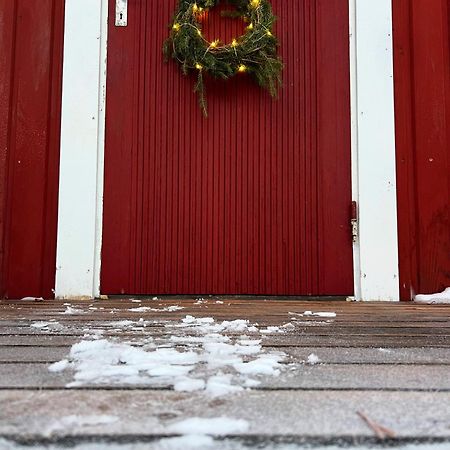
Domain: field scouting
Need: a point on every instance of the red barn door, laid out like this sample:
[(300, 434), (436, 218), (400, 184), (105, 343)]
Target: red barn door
[(253, 200)]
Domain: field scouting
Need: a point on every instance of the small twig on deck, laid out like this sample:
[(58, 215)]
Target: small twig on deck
[(380, 431)]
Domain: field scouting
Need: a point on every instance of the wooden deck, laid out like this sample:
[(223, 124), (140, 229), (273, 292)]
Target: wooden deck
[(389, 363)]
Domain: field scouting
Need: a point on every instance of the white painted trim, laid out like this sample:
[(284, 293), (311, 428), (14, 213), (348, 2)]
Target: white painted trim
[(373, 150), (82, 145), (354, 139), (101, 146)]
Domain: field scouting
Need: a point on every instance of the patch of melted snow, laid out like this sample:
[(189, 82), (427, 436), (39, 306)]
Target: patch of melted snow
[(313, 359), (148, 308), (123, 323), (69, 423), (59, 366), (70, 310), (206, 325), (102, 361), (319, 314), (187, 442), (41, 324), (271, 330), (210, 361), (217, 426)]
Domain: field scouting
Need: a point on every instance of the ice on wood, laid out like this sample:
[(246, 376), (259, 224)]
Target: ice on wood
[(70, 310), (218, 426)]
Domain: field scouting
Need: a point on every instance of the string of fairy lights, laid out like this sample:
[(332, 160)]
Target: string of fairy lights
[(215, 44), (254, 52)]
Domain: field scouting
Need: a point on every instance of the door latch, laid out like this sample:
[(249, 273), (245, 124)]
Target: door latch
[(121, 13), (354, 221)]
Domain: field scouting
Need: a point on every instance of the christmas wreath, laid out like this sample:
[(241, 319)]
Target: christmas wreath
[(255, 52)]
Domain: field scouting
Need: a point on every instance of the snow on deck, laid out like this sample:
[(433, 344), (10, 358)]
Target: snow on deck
[(223, 373)]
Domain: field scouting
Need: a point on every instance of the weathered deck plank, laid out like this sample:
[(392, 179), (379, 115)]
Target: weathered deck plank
[(291, 413), (272, 341), (297, 377), (328, 355)]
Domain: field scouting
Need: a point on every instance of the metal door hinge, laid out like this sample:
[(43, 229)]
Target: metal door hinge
[(121, 13), (354, 221)]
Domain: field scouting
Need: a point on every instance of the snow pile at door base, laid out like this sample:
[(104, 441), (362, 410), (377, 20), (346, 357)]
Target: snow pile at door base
[(198, 354), (441, 298)]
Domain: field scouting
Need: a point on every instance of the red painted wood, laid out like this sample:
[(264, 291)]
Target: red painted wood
[(31, 40), (253, 200), (422, 94)]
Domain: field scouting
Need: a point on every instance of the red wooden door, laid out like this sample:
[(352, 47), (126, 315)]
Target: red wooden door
[(253, 200)]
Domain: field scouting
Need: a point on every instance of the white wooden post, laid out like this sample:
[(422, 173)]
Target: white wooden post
[(82, 141), (373, 150)]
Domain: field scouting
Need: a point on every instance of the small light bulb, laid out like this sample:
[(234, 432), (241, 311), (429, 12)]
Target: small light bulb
[(195, 7), (199, 32), (242, 68), (176, 26), (250, 27), (198, 66), (269, 33), (214, 44), (254, 3), (234, 43)]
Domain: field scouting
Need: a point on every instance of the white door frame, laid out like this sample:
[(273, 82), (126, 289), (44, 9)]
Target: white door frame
[(83, 136), (80, 213), (374, 187)]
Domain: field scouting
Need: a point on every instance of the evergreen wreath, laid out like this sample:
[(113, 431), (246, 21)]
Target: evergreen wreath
[(254, 52)]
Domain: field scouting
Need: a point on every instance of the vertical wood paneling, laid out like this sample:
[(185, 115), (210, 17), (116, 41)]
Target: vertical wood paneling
[(422, 94), (7, 22), (253, 200), (31, 35)]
